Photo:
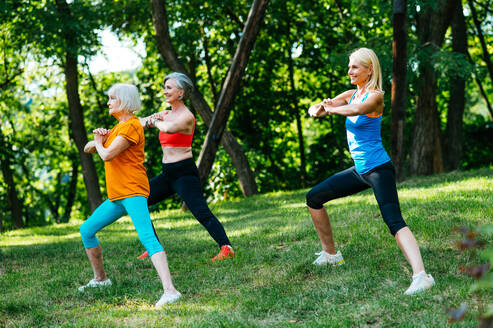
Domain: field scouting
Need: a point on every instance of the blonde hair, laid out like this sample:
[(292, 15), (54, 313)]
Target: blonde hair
[(369, 59), (129, 96)]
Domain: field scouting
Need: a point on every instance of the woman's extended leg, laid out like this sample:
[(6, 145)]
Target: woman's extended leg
[(139, 213), (160, 189), (190, 190), (409, 247), (382, 180)]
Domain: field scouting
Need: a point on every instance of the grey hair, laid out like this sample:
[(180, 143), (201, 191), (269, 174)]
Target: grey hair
[(183, 82), (128, 95)]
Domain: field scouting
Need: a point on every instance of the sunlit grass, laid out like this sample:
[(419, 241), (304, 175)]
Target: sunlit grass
[(271, 282)]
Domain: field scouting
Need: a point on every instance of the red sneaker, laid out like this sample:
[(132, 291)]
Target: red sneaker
[(143, 255), (226, 252)]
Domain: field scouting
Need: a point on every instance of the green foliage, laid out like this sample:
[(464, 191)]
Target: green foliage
[(315, 37), (477, 141)]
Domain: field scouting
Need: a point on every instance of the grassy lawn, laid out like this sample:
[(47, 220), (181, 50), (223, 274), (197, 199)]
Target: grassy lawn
[(271, 282)]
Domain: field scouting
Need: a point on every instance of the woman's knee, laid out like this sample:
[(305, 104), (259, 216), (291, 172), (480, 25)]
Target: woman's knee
[(396, 225), (85, 231), (88, 235), (392, 216), (150, 242), (313, 200)]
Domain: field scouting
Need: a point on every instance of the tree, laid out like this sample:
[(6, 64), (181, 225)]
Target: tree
[(230, 87), (399, 85), (486, 54), (11, 67), (426, 150), (77, 126), (293, 97), (14, 202), (166, 49), (453, 132)]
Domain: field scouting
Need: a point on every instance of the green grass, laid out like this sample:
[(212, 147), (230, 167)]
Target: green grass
[(271, 282)]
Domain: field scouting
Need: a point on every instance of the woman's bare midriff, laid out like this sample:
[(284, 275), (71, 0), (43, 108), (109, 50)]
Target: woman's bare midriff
[(176, 154)]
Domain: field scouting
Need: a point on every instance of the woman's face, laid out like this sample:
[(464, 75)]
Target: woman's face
[(172, 92), (358, 73), (113, 104)]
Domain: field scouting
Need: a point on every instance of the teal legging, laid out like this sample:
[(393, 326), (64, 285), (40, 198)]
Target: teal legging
[(108, 212)]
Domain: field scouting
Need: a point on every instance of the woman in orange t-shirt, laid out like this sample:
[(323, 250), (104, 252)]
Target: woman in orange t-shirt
[(122, 149)]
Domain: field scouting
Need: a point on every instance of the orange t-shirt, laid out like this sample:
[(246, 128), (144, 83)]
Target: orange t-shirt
[(125, 174)]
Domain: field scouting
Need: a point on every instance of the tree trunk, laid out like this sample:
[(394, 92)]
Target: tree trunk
[(76, 114), (233, 148), (481, 88), (230, 87), (453, 132), (79, 132), (72, 189), (294, 101), (208, 64), (14, 202), (426, 151), (399, 86)]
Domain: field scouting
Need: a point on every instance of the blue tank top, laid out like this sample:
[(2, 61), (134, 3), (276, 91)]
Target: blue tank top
[(365, 141)]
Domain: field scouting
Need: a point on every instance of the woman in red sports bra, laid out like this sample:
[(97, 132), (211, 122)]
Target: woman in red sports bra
[(180, 174)]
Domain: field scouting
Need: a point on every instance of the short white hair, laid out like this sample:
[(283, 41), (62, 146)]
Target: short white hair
[(128, 95)]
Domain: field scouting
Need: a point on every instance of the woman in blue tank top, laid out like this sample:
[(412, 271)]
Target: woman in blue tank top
[(372, 168)]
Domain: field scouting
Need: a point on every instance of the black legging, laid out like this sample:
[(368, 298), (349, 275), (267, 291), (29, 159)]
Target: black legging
[(349, 182), (183, 178)]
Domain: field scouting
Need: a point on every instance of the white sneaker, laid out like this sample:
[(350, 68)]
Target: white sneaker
[(94, 283), (420, 283), (168, 298), (324, 258)]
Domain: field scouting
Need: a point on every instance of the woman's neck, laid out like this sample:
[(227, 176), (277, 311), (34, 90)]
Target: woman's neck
[(123, 116), (177, 105), (361, 89)]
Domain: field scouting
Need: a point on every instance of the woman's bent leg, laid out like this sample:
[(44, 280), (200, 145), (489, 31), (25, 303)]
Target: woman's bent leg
[(322, 225), (106, 213), (95, 256), (342, 184)]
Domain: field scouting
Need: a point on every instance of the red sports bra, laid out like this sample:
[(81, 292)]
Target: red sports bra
[(178, 139)]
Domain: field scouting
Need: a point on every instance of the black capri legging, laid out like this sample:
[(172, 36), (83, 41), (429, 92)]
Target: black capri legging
[(183, 178), (349, 182)]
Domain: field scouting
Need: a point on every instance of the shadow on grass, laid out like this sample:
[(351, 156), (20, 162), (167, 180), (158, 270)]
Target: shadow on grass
[(271, 277)]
